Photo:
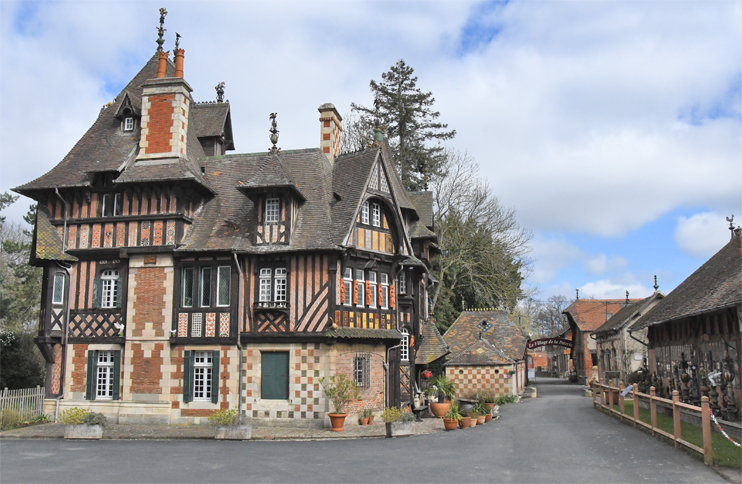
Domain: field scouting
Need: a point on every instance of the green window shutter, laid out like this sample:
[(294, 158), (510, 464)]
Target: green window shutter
[(275, 376), (187, 376), (90, 384), (116, 375), (215, 377), (97, 292), (119, 293)]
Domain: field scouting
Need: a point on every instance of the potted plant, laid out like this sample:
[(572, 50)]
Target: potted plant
[(453, 417), (474, 415), (366, 415), (465, 422), (481, 411), (340, 391), (82, 424), (389, 416), (487, 398), (445, 391), (228, 425)]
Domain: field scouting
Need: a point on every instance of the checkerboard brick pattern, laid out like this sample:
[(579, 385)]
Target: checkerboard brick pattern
[(469, 380)]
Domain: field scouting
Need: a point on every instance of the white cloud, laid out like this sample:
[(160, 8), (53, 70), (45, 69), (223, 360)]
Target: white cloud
[(612, 289), (702, 234), (600, 264)]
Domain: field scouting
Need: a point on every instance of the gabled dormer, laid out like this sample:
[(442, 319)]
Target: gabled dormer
[(129, 113), (212, 122)]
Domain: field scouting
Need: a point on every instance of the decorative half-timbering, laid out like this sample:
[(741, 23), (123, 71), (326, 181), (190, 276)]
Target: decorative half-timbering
[(168, 264)]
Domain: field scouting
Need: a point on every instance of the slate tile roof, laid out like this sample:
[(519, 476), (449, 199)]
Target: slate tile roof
[(590, 314), (479, 352), (504, 335), (363, 333), (212, 119), (627, 314), (715, 285), (433, 345), (46, 244)]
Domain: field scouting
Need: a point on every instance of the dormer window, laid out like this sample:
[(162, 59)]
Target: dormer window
[(272, 208), (364, 213), (128, 124), (376, 215), (112, 205)]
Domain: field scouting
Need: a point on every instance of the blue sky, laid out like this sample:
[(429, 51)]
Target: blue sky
[(612, 128)]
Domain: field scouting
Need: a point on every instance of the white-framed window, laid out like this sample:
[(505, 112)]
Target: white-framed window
[(104, 376), (279, 283), (111, 205), (205, 297), (186, 288), (376, 215), (264, 294), (361, 370), (404, 350), (348, 284), (364, 213), (272, 208), (109, 289), (384, 291), (361, 284), (202, 371), (223, 281), (402, 283), (128, 124), (58, 289), (372, 288)]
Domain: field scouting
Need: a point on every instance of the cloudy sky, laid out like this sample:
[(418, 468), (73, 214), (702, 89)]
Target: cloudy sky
[(613, 128)]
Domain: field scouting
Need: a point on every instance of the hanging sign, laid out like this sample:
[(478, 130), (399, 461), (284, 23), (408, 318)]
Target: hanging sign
[(550, 342)]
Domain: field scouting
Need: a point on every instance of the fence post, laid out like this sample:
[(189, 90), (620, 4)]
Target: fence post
[(635, 391), (595, 389), (653, 407), (676, 417), (708, 451), (621, 407), (602, 395)]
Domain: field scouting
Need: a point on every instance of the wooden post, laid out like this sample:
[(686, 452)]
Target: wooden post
[(602, 396), (676, 416), (708, 451), (653, 407), (636, 403), (595, 389), (610, 400), (620, 400)]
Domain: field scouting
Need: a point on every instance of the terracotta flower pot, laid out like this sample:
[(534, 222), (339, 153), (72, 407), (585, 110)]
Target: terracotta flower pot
[(487, 418), (449, 424), (364, 421), (464, 423), (481, 419), (337, 420), (371, 420), (440, 409), (490, 405), (472, 422)]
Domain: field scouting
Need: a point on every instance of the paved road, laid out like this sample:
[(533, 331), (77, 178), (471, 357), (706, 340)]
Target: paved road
[(555, 438)]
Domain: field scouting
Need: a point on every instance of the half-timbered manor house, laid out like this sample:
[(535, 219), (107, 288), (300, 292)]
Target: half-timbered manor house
[(179, 280)]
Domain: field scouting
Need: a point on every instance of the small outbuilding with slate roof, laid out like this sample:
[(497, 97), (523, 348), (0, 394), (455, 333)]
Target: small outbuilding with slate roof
[(696, 331), (488, 352)]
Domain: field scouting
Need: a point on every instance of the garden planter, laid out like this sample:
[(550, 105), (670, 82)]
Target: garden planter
[(472, 422), (364, 421), (487, 418), (337, 420), (89, 432), (464, 423), (480, 420), (440, 409), (449, 424), (398, 429), (233, 432), (371, 420), (490, 405)]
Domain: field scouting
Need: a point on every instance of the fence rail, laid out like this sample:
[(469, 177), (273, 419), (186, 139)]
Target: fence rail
[(609, 394), (28, 402)]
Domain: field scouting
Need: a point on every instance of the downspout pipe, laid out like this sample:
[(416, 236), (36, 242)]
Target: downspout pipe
[(631, 335), (67, 269), (239, 334)]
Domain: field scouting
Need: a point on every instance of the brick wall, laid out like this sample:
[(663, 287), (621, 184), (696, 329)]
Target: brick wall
[(160, 123), (373, 396), (149, 291), (78, 368), (146, 363), (469, 380)]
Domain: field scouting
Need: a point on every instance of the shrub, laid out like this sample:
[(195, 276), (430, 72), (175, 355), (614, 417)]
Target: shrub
[(224, 418), (73, 416), (445, 386), (95, 418), (367, 413), (407, 417), (340, 390), (486, 396), (391, 414), (503, 399), (10, 419), (480, 409)]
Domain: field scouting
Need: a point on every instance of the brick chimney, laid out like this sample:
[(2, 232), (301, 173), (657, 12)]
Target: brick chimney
[(330, 131), (166, 102)]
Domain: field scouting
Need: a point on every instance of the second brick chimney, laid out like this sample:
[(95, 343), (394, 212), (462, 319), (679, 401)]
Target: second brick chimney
[(330, 131)]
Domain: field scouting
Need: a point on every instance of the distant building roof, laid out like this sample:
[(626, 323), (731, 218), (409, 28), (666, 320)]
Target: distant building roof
[(590, 314), (504, 334), (628, 314), (479, 352), (433, 345)]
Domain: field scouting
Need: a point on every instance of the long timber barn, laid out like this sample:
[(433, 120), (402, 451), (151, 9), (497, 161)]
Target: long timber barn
[(179, 280)]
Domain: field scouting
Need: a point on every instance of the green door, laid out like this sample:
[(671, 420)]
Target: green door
[(275, 376)]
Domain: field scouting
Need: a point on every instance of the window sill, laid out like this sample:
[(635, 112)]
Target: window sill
[(271, 306)]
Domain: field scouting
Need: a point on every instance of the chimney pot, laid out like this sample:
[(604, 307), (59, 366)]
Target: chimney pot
[(179, 54), (162, 66)]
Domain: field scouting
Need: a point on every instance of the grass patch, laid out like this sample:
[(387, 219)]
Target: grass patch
[(725, 453)]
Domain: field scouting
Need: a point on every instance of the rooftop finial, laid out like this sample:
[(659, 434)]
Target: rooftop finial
[(577, 292), (220, 92), (177, 42), (627, 297), (656, 286), (731, 224), (161, 30), (274, 133)]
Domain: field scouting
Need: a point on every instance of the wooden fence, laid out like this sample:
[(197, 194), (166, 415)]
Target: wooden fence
[(28, 402), (610, 394)]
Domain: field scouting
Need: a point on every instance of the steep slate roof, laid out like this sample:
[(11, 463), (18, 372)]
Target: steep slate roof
[(423, 202), (363, 333), (627, 314), (433, 345), (479, 353), (590, 314), (46, 244), (715, 285), (504, 335), (211, 119), (104, 147)]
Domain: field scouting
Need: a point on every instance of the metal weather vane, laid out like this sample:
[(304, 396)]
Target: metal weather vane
[(161, 30)]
